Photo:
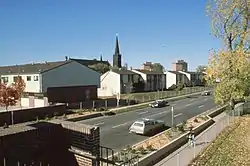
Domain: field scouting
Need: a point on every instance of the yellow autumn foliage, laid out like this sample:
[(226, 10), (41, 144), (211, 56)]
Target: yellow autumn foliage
[(232, 69)]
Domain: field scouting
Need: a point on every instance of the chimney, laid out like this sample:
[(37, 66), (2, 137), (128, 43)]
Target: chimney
[(66, 58)]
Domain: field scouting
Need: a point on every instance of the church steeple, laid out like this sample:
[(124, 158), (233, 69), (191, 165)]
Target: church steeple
[(101, 57), (117, 57), (117, 50)]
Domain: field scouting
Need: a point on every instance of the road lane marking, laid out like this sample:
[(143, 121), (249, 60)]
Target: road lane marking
[(188, 104), (143, 112), (201, 106), (177, 115), (97, 124), (119, 125)]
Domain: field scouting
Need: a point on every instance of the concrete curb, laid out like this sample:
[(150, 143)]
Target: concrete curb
[(84, 117), (169, 148)]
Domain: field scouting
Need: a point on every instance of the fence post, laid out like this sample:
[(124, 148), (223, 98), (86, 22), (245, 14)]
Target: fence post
[(80, 105), (12, 117), (106, 103), (4, 161), (18, 163), (143, 98), (93, 105)]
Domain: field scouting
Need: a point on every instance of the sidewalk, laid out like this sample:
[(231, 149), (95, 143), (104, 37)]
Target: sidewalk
[(184, 155)]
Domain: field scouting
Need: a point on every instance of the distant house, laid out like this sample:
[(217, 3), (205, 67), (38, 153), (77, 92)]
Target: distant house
[(174, 78), (115, 82), (154, 80), (194, 77), (39, 76)]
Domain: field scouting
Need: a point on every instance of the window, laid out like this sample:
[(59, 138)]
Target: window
[(15, 78), (35, 78), (28, 78), (5, 79)]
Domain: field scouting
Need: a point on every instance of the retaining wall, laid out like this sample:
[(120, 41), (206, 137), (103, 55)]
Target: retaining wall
[(30, 114), (54, 143)]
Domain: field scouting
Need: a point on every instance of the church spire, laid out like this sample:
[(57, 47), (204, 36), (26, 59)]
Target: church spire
[(117, 50), (117, 57), (101, 57)]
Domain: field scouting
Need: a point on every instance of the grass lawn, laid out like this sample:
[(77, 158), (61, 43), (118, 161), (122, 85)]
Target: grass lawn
[(231, 148)]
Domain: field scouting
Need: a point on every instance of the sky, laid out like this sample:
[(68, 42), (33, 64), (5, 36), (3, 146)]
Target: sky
[(158, 31)]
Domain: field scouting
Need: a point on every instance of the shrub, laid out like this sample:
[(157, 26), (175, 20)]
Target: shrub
[(150, 148), (180, 86), (142, 150), (172, 87), (196, 120), (182, 126)]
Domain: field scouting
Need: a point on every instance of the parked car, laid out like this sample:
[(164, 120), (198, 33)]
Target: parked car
[(158, 103), (146, 126), (206, 93)]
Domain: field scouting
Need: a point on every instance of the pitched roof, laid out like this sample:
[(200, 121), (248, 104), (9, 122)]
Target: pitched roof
[(88, 62), (31, 68), (174, 72), (149, 72), (123, 71)]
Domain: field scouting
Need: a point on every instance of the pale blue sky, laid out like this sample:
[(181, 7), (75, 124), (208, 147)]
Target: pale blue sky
[(158, 31)]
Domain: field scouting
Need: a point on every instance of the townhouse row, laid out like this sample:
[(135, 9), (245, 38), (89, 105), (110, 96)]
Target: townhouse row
[(116, 82), (39, 77)]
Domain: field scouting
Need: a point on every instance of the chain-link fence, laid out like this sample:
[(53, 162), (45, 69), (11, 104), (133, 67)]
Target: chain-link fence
[(145, 97), (189, 151)]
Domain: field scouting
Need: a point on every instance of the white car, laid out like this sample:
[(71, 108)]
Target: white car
[(146, 126)]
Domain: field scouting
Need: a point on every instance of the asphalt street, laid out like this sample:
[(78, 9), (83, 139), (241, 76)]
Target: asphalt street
[(114, 129)]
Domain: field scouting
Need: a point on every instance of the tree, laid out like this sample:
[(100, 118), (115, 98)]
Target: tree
[(230, 21), (100, 67), (201, 68), (8, 96), (19, 85), (232, 68), (158, 67)]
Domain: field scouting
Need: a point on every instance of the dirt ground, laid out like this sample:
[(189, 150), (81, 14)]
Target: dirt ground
[(231, 148)]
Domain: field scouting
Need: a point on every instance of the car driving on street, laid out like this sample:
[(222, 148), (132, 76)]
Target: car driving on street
[(206, 93), (158, 103), (146, 126)]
